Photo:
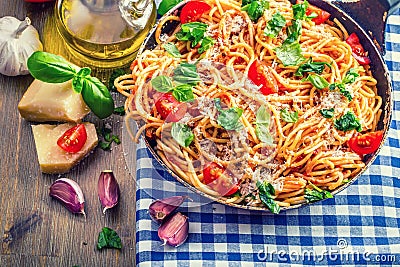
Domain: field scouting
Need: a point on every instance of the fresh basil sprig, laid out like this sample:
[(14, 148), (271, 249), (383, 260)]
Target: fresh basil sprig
[(266, 192), (293, 32), (182, 134), (255, 9), (229, 118), (108, 238), (263, 119), (290, 54), (288, 116), (275, 25), (52, 68), (350, 77), (299, 10), (194, 32), (312, 195), (311, 66), (348, 122)]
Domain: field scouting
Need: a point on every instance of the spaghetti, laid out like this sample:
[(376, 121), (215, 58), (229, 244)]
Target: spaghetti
[(282, 138)]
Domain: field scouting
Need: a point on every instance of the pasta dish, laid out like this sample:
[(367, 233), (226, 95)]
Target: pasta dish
[(259, 103)]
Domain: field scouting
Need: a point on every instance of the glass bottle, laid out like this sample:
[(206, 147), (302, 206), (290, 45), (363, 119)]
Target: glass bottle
[(104, 33)]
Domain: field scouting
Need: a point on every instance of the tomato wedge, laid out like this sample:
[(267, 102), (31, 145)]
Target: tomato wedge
[(219, 179), (322, 15), (170, 109), (261, 76), (193, 10), (73, 139), (366, 143), (357, 49)]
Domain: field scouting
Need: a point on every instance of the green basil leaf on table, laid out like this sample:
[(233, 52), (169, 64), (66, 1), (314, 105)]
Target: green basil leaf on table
[(317, 81), (183, 93), (50, 68), (166, 5), (108, 238), (290, 54), (310, 66), (348, 122), (162, 84), (275, 25), (287, 116), (77, 81), (327, 112), (182, 134), (97, 97), (119, 110), (266, 192)]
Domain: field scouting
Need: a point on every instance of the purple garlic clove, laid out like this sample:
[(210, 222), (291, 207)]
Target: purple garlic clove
[(161, 208), (108, 190), (174, 230), (69, 194)]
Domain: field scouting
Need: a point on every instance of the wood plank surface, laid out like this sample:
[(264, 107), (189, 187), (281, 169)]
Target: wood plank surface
[(36, 229)]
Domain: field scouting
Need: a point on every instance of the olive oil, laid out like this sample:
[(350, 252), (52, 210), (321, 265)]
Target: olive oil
[(104, 33)]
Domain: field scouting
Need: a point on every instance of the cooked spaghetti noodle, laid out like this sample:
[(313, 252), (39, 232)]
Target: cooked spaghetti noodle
[(306, 153)]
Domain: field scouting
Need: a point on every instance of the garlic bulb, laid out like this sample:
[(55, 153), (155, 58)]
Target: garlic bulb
[(18, 40)]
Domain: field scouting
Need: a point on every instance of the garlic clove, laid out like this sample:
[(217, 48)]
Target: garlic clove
[(161, 208), (108, 190), (174, 230), (69, 194)]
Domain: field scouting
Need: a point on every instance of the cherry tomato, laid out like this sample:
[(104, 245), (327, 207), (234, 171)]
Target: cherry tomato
[(261, 76), (193, 10), (219, 179), (322, 14), (73, 139), (357, 49), (366, 143), (169, 108)]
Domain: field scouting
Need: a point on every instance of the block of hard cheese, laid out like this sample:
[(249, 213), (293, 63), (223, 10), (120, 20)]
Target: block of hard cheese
[(52, 102), (52, 158)]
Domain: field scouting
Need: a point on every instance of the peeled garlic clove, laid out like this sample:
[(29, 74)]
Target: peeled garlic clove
[(174, 231), (161, 208), (69, 194), (108, 190)]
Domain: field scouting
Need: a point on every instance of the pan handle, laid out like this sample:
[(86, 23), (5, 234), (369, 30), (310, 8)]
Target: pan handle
[(371, 15)]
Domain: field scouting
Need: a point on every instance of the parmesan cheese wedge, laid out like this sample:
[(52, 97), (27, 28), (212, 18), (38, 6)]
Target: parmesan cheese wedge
[(52, 158), (52, 102)]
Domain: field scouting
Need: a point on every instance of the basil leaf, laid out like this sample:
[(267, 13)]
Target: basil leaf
[(114, 75), (327, 113), (317, 81), (299, 10), (172, 50), (166, 5), (183, 92), (229, 118), (186, 73), (350, 76), (246, 2), (265, 192), (346, 93), (312, 195), (206, 44), (162, 84), (50, 68), (108, 238), (310, 66), (263, 116), (290, 54), (256, 9), (275, 25), (77, 81), (263, 133), (119, 110), (182, 134), (192, 31), (293, 32), (348, 122), (290, 117), (97, 97)]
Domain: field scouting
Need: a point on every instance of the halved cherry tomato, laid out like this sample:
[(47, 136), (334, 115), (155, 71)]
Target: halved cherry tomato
[(357, 49), (73, 139), (170, 109), (193, 10), (366, 143), (219, 179), (322, 14), (261, 76)]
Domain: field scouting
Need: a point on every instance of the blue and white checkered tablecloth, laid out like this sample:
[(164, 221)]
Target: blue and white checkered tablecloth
[(360, 225)]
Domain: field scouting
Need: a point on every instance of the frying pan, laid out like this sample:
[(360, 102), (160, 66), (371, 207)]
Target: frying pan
[(367, 18)]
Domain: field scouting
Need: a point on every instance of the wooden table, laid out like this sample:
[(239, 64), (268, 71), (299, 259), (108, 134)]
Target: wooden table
[(37, 230)]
